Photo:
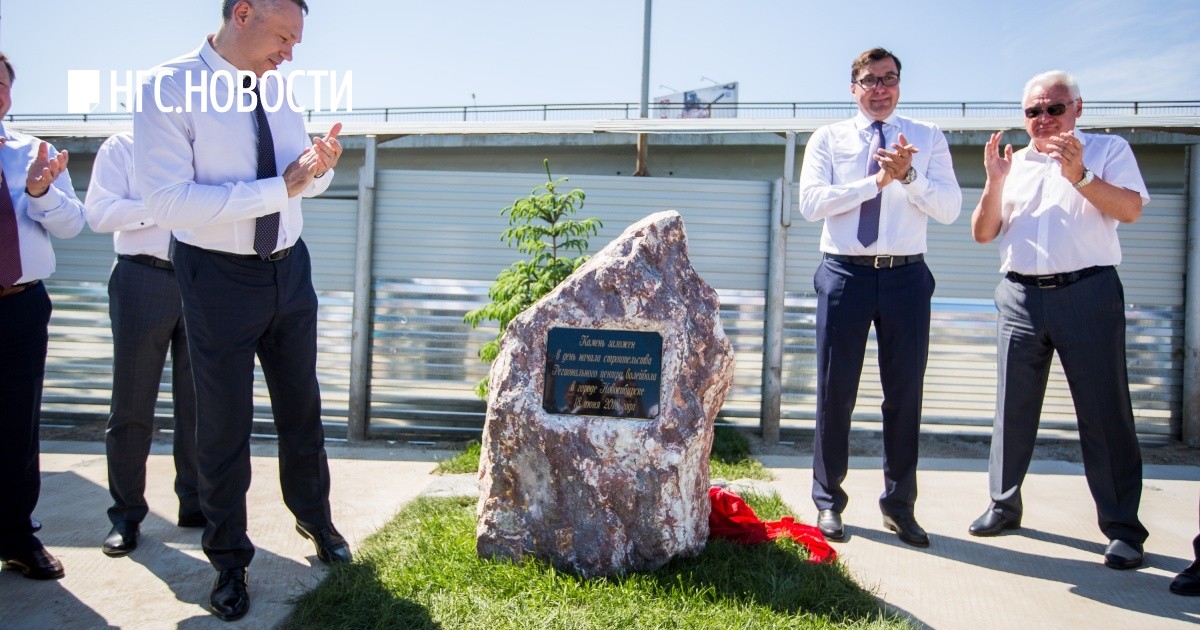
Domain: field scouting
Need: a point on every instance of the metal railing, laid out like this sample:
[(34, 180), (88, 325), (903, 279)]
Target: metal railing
[(629, 111)]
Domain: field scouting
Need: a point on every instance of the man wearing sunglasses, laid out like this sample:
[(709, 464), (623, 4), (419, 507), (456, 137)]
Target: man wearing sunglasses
[(1055, 206), (875, 180)]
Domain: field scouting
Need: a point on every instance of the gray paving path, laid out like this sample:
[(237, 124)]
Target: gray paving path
[(166, 582), (1048, 574)]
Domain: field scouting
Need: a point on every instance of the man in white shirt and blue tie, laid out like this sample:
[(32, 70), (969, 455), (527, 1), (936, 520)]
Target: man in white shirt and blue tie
[(228, 182), (874, 180)]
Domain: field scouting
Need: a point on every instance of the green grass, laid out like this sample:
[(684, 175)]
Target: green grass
[(465, 462), (731, 458), (421, 571)]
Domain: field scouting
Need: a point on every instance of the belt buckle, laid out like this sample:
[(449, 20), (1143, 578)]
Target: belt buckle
[(1047, 282), (879, 264)]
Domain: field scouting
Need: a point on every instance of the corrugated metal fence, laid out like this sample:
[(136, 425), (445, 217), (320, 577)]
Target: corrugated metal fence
[(437, 249)]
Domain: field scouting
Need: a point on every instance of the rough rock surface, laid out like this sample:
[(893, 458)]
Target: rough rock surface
[(596, 495)]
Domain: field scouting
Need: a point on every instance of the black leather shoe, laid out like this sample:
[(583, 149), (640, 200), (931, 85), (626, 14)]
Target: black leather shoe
[(331, 547), (192, 519), (830, 524), (35, 524), (1187, 582), (907, 529), (37, 564), (122, 539), (230, 599), (992, 523), (1122, 555)]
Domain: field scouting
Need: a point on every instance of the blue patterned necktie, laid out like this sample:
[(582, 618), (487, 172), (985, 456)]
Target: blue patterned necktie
[(266, 228), (10, 244), (868, 214)]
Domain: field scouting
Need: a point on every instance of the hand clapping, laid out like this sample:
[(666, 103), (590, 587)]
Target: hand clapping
[(894, 164), (44, 170), (1067, 150), (314, 161)]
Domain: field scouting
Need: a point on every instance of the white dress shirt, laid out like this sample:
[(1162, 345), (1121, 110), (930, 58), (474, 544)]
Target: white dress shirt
[(1047, 226), (58, 212), (197, 167), (834, 184), (114, 205)]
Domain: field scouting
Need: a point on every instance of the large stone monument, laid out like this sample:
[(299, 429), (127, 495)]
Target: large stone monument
[(600, 413)]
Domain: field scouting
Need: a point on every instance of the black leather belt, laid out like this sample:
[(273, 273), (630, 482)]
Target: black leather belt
[(148, 260), (1055, 280), (279, 255), (878, 262), (17, 288)]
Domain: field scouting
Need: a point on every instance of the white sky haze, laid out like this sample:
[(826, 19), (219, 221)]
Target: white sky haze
[(405, 53)]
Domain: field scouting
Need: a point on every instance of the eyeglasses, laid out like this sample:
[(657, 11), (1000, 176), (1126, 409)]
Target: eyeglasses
[(870, 81), (1057, 109)]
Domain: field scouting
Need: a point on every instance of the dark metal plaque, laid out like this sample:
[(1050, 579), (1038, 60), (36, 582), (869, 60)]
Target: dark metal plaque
[(601, 372)]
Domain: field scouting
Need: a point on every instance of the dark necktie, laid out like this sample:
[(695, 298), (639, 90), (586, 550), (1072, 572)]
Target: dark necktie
[(10, 244), (266, 228), (868, 215)]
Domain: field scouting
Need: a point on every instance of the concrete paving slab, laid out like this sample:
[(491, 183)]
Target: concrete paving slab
[(166, 581), (1048, 574)]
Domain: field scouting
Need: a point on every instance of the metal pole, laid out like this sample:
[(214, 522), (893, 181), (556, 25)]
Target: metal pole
[(358, 424), (645, 108), (1191, 327), (641, 169), (772, 373)]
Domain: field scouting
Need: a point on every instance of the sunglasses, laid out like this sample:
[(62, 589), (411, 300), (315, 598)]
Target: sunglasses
[(1057, 109)]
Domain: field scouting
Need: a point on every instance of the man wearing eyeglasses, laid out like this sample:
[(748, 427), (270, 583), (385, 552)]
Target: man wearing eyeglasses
[(1055, 206), (875, 180)]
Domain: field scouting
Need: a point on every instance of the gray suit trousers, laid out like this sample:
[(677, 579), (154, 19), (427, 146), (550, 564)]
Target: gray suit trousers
[(1084, 323), (147, 321)]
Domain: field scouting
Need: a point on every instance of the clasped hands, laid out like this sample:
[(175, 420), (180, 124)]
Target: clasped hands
[(313, 162), (43, 170), (894, 164), (1067, 150)]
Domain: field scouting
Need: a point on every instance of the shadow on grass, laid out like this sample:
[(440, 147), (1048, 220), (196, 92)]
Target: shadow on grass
[(772, 575), (354, 596), (421, 571)]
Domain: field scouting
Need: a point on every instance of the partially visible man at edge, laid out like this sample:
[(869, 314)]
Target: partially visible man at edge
[(228, 184), (37, 201), (147, 322), (1055, 206)]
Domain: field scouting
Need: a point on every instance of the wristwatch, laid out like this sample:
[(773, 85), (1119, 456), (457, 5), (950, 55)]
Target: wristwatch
[(1087, 178), (910, 176)]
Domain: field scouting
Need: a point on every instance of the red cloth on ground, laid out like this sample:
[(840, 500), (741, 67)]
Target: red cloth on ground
[(732, 518)]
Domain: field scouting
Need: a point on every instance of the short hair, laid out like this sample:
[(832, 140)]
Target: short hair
[(869, 57), (227, 6), (1051, 79), (12, 74)]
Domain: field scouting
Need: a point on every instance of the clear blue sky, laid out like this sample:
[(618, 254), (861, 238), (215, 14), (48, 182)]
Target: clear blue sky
[(410, 53)]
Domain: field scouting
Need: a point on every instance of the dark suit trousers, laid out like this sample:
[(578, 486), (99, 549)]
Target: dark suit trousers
[(236, 308), (850, 298), (1085, 323), (147, 321), (24, 318)]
